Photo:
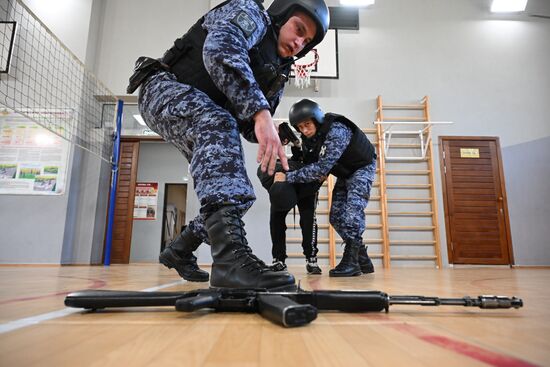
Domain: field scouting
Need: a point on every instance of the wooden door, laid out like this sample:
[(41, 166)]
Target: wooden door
[(124, 202), (476, 213)]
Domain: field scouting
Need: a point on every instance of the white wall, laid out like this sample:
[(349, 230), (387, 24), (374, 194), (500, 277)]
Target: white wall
[(162, 163), (487, 73), (57, 229), (69, 20), (134, 28)]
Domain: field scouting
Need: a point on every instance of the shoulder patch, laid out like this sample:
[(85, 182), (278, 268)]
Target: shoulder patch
[(245, 23)]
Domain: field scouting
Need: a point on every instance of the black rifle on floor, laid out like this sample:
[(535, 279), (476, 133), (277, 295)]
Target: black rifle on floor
[(283, 308)]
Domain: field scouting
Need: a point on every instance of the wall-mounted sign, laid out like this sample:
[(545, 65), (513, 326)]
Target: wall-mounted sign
[(469, 153), (33, 160), (145, 201)]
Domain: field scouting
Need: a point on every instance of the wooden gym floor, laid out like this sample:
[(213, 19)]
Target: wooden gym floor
[(37, 330)]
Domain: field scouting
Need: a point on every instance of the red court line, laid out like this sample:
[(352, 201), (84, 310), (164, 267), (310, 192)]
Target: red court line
[(314, 282), (96, 283), (468, 350)]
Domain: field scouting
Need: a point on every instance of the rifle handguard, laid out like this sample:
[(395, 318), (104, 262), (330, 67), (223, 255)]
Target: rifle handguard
[(190, 304)]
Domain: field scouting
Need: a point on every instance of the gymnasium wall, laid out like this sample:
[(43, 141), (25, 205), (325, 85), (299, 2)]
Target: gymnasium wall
[(58, 229), (488, 73)]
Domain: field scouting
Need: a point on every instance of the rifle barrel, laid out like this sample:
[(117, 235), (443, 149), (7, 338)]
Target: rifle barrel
[(485, 302)]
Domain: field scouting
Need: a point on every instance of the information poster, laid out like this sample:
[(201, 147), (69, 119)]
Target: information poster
[(145, 201), (33, 160)]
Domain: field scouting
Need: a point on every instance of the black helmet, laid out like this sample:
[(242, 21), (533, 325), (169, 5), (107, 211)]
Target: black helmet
[(281, 10), (304, 110)]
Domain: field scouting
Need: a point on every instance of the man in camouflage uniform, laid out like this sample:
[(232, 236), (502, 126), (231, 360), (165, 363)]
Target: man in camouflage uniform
[(226, 75), (344, 151)]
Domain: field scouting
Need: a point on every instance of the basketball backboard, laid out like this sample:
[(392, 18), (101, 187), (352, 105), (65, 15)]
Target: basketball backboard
[(7, 34), (327, 66)]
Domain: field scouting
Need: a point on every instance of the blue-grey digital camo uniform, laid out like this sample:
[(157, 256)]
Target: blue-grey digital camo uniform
[(350, 196), (206, 133)]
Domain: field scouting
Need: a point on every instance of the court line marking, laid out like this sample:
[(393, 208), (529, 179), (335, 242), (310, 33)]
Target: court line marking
[(469, 350), (33, 320), (472, 351), (96, 283)]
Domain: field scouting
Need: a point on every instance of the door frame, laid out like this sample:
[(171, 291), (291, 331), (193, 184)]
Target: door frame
[(504, 204), (166, 184)]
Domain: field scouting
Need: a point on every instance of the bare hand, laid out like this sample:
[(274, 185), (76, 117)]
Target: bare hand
[(279, 177), (270, 146)]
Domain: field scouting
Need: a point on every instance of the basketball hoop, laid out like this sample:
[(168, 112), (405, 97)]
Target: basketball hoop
[(302, 72)]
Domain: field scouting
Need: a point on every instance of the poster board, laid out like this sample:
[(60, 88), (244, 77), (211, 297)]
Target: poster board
[(146, 201), (33, 160)]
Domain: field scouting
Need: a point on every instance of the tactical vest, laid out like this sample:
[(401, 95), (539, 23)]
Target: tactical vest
[(186, 63), (310, 153), (359, 152)]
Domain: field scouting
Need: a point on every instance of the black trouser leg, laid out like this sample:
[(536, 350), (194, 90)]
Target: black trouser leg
[(308, 224), (277, 226)]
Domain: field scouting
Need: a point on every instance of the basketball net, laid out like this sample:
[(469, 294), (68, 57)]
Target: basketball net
[(302, 72)]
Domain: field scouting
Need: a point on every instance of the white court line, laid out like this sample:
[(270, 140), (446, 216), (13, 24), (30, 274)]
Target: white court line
[(33, 320)]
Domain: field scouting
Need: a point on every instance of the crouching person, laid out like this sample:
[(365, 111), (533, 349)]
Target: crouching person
[(344, 151)]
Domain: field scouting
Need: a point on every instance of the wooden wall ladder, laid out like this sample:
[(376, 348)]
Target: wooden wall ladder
[(407, 187), (400, 227)]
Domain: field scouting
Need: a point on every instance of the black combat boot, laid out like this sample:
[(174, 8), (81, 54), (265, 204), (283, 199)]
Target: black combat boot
[(234, 265), (179, 255), (349, 264), (364, 261)]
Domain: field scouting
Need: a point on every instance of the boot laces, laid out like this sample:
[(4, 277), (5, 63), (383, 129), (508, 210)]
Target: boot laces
[(192, 262), (185, 258), (278, 265), (252, 261)]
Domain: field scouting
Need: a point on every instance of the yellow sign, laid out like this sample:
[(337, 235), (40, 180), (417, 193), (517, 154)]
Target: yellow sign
[(469, 153)]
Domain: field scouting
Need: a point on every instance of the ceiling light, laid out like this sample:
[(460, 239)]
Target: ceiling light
[(508, 6), (139, 119), (357, 2)]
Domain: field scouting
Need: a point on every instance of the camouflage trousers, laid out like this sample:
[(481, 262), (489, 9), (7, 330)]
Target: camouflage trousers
[(349, 199), (207, 135)]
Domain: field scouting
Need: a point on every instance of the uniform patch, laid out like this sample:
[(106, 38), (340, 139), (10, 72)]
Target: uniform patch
[(245, 23), (323, 151)]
